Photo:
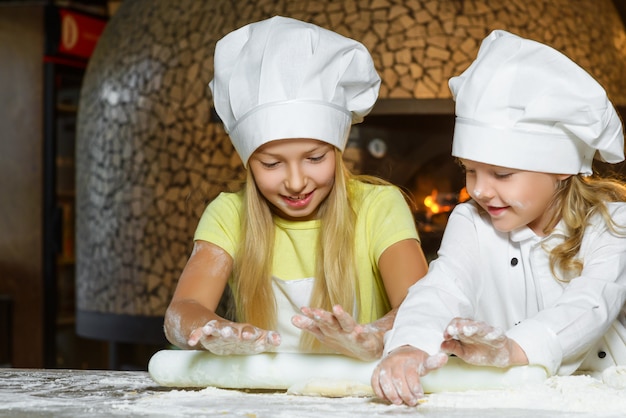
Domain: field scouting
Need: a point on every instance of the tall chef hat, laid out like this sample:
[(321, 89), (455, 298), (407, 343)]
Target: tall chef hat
[(524, 105), (282, 78)]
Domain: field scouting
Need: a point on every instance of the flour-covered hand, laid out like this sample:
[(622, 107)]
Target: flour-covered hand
[(226, 338), (397, 377), (339, 331), (481, 344)]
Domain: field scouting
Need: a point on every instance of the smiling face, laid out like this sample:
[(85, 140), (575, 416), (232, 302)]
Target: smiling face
[(513, 198), (294, 175)]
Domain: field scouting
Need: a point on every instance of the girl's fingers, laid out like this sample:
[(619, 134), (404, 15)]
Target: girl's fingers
[(345, 320)]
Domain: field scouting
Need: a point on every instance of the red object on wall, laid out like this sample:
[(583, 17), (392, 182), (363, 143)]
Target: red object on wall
[(79, 33)]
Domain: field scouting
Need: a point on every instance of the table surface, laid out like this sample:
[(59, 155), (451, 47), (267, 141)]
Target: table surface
[(102, 393)]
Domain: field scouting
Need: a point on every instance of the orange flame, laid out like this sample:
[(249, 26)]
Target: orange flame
[(435, 205), (431, 202)]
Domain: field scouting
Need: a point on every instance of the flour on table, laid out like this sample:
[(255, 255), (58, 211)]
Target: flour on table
[(331, 388), (558, 397), (578, 393)]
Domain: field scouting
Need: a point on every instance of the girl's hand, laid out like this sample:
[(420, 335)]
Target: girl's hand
[(225, 337), (397, 377), (339, 331), (481, 344)]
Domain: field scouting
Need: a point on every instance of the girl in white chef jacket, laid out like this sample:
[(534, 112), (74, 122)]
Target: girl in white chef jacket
[(532, 270), (304, 246)]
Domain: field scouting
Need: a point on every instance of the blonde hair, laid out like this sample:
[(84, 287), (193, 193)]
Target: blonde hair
[(576, 201), (335, 269)]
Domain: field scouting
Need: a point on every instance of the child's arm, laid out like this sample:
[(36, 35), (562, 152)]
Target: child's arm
[(401, 265), (190, 319)]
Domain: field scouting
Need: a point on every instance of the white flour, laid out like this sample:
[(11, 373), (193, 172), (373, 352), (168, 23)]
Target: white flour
[(108, 394), (557, 397), (560, 393)]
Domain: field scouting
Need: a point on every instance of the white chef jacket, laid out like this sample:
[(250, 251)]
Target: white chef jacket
[(504, 279)]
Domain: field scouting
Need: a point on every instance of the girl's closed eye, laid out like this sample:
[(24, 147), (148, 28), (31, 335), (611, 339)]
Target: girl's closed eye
[(269, 164), (503, 175), (318, 158)]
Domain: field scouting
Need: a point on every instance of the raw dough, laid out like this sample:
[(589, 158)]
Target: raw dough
[(331, 388), (318, 373), (186, 368)]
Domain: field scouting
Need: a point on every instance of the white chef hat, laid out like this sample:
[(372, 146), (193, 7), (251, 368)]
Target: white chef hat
[(524, 105), (282, 78)]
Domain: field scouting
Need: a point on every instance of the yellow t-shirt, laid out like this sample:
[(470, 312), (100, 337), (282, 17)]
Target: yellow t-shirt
[(383, 218)]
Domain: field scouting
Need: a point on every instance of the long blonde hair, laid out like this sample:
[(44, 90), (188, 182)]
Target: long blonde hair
[(576, 201), (335, 269)]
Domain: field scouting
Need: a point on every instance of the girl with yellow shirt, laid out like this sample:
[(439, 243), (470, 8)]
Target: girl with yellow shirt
[(317, 259)]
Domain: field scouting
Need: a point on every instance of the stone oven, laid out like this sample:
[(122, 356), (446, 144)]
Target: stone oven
[(150, 152)]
